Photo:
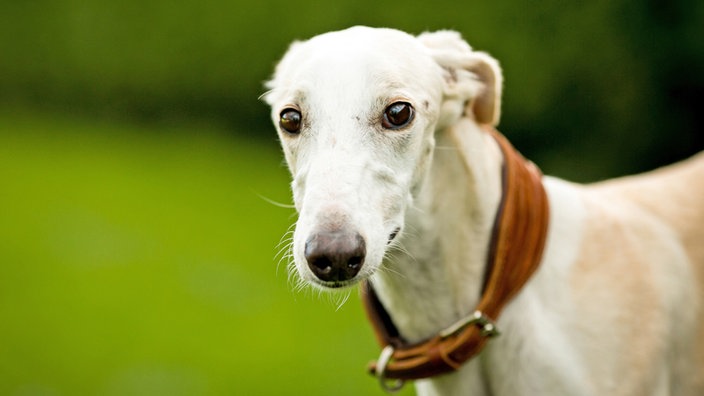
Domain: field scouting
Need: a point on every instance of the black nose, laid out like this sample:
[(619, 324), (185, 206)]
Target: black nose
[(335, 256)]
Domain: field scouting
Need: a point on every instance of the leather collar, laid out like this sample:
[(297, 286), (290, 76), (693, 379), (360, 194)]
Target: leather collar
[(515, 251)]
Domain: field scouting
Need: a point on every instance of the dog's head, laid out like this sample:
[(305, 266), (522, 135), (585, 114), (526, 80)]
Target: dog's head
[(356, 112)]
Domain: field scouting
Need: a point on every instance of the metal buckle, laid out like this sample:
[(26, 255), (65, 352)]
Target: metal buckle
[(384, 358), (486, 325)]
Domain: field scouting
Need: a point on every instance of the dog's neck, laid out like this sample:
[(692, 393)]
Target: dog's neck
[(435, 277)]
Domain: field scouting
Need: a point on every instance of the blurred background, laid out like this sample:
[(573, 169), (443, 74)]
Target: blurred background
[(137, 240)]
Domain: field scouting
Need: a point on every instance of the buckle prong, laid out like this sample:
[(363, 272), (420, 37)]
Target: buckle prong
[(486, 325)]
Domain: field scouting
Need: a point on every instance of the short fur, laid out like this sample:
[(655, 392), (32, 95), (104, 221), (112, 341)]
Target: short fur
[(616, 305)]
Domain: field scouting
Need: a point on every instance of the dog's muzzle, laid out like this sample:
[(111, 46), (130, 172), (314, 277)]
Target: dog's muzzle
[(335, 256)]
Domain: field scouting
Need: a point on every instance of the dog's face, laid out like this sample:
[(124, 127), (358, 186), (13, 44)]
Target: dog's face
[(356, 112)]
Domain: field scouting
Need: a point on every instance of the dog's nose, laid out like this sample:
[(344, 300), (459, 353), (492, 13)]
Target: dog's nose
[(335, 256)]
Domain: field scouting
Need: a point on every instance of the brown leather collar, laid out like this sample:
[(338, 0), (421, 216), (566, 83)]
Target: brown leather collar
[(516, 247)]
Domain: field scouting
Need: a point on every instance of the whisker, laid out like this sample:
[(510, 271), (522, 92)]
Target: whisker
[(287, 257), (345, 296), (400, 249), (286, 238), (414, 207), (260, 97), (387, 269), (285, 249), (275, 203)]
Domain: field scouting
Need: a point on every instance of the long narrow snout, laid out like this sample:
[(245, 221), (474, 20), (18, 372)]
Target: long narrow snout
[(335, 256)]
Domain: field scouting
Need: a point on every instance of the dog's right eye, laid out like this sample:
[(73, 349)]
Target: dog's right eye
[(290, 120)]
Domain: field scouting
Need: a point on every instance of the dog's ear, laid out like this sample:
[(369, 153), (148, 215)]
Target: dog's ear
[(473, 80)]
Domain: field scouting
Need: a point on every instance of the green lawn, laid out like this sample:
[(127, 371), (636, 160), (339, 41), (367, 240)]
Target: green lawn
[(139, 260)]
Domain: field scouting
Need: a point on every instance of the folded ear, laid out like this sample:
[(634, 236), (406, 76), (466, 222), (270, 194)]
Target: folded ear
[(473, 80)]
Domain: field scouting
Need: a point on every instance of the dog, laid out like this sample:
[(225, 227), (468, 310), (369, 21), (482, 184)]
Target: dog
[(397, 180)]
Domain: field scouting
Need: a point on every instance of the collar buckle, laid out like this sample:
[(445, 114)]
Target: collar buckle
[(486, 325), (384, 358)]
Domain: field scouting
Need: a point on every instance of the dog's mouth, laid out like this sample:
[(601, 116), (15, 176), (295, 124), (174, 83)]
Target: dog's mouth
[(393, 235), (336, 259)]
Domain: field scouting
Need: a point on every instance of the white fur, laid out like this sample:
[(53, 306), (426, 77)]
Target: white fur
[(615, 307)]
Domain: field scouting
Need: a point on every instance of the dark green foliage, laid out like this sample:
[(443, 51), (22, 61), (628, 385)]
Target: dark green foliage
[(593, 89)]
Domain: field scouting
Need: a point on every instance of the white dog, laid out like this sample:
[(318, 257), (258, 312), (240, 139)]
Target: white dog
[(398, 183)]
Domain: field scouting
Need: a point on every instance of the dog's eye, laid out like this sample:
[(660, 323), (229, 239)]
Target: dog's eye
[(397, 116), (290, 120)]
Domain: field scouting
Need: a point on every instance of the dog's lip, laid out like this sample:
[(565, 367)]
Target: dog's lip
[(336, 285)]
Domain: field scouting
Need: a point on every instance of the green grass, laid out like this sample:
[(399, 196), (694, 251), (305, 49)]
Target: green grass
[(139, 260)]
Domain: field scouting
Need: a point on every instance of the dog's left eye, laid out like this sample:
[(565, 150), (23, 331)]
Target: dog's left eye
[(397, 116)]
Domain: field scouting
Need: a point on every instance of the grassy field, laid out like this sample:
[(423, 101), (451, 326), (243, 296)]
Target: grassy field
[(140, 261)]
